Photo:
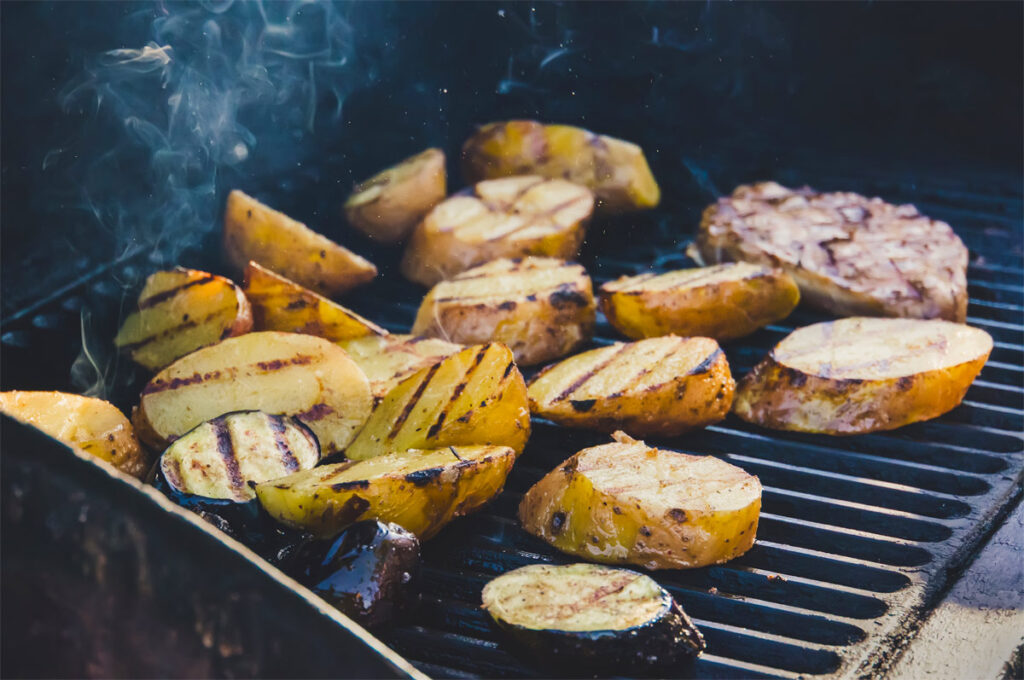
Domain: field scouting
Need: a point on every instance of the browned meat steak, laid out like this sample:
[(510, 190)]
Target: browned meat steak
[(849, 254)]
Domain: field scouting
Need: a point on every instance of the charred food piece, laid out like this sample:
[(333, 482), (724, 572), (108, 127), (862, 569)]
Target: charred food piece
[(659, 386), (863, 374), (587, 618), (511, 217), (180, 311), (722, 302), (541, 308), (615, 170), (369, 571), (628, 503), (387, 206), (388, 360), (850, 255)]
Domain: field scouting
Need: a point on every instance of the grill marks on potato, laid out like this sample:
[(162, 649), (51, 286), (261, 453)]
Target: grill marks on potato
[(387, 360)]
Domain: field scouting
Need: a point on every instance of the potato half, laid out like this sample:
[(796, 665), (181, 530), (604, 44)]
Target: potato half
[(418, 490), (390, 359), (659, 386), (476, 396), (615, 170), (282, 373), (282, 305), (92, 425), (628, 503), (863, 374), (180, 311), (723, 302), (511, 217), (387, 206), (255, 232), (541, 308)]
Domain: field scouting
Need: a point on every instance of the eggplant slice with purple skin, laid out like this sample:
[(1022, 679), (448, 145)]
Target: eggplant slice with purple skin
[(591, 619)]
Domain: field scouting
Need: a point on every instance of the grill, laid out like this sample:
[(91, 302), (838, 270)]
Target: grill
[(858, 537)]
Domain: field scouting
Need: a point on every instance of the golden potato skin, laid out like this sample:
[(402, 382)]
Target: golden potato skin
[(389, 359), (256, 232), (387, 206), (93, 425), (723, 302), (859, 375), (421, 490), (627, 503), (615, 170), (659, 386), (540, 308)]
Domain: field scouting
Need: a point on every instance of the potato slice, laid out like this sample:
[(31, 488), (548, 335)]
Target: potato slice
[(92, 425), (418, 490), (541, 308), (474, 397), (282, 305), (723, 302), (660, 386), (511, 217), (615, 170), (388, 360), (253, 231), (180, 311), (387, 206), (627, 503), (283, 373), (862, 375)]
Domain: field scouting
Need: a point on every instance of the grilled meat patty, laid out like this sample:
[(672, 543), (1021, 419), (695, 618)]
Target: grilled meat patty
[(849, 254)]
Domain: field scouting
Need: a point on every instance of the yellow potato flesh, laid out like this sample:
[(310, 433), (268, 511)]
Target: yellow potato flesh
[(387, 360)]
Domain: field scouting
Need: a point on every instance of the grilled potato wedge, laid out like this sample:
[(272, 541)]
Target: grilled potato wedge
[(388, 360), (283, 373), (282, 305), (615, 170), (418, 490), (255, 232), (659, 386), (723, 302), (863, 374), (627, 503), (180, 311), (511, 217), (540, 307), (387, 206), (476, 396), (92, 425)]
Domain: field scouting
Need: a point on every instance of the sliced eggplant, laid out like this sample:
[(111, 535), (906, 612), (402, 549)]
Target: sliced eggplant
[(588, 618)]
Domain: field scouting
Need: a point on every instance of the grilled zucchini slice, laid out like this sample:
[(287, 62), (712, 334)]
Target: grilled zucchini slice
[(659, 386), (180, 311), (627, 503), (592, 618), (284, 373), (476, 396), (863, 374), (615, 170), (388, 360), (255, 232), (723, 302), (511, 217), (540, 307), (416, 489), (92, 425), (282, 305), (387, 206)]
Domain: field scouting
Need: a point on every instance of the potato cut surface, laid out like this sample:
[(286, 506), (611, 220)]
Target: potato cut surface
[(628, 503), (92, 425), (511, 217), (255, 232), (476, 396), (280, 373), (387, 360), (180, 311), (541, 308), (279, 304), (615, 170)]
